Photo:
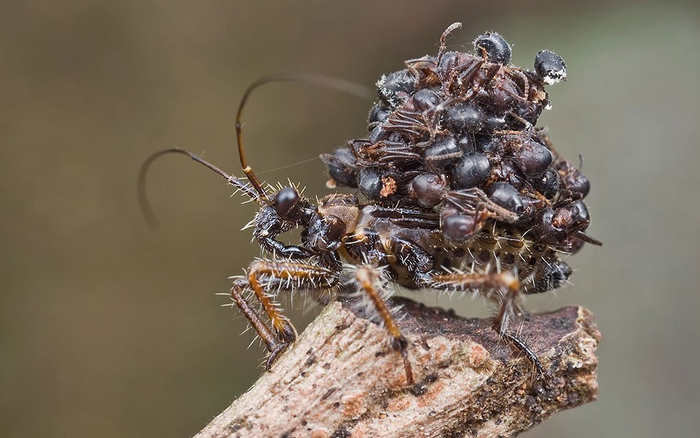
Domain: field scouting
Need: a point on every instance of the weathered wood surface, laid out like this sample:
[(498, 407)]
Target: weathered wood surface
[(342, 380)]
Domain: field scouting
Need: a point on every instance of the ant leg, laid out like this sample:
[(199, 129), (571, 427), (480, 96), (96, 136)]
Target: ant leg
[(266, 275), (271, 244), (367, 278), (418, 67), (443, 38), (408, 217), (410, 123), (507, 287), (474, 201), (525, 349), (525, 84)]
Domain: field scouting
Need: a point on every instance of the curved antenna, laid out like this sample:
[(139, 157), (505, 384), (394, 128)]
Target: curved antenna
[(143, 198), (336, 84)]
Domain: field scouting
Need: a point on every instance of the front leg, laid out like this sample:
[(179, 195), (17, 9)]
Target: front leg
[(267, 226), (281, 250), (265, 277)]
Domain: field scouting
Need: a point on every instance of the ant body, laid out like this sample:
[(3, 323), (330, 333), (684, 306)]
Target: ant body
[(488, 211)]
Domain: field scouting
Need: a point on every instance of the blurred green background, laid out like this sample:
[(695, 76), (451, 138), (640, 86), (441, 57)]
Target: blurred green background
[(109, 330)]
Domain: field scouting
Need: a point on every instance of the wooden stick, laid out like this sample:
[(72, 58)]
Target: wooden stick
[(342, 380)]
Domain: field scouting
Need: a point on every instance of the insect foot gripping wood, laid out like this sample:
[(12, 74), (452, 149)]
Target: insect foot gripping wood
[(339, 381)]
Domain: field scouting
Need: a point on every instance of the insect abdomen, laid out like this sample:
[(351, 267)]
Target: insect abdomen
[(500, 247)]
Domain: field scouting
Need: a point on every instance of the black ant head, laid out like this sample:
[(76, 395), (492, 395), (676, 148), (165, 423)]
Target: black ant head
[(572, 217), (394, 88), (565, 223), (493, 47), (458, 228), (550, 67), (342, 167), (427, 189), (574, 184)]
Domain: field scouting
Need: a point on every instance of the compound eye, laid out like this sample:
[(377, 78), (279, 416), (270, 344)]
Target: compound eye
[(493, 47), (286, 200), (550, 67)]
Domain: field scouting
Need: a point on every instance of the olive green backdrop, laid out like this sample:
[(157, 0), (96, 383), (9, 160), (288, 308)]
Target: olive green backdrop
[(109, 330)]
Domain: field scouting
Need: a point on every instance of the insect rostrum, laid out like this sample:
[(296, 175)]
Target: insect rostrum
[(458, 191)]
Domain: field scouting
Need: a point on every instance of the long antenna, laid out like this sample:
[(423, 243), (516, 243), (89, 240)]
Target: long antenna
[(336, 84), (143, 198)]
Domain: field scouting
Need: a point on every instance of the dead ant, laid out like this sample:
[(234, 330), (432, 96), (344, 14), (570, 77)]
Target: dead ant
[(348, 246)]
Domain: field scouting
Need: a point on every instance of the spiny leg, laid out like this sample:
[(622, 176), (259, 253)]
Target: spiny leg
[(486, 283), (367, 278), (500, 324), (272, 343), (506, 287), (267, 275), (525, 349)]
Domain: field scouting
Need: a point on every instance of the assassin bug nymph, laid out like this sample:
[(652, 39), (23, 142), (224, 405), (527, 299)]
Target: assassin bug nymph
[(349, 246)]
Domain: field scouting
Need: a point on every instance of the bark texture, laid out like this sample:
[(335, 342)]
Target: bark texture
[(342, 380)]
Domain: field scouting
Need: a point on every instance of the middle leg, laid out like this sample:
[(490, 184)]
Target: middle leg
[(369, 280)]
